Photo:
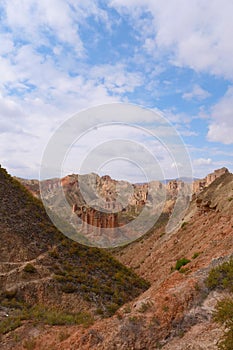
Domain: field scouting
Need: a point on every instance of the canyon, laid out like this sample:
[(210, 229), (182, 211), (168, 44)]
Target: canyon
[(100, 208), (163, 306)]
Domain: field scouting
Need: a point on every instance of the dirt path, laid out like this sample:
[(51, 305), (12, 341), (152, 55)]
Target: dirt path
[(21, 266)]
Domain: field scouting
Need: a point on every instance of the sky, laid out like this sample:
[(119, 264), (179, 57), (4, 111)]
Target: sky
[(61, 57)]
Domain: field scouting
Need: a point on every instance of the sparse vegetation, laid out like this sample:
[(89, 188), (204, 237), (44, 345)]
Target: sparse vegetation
[(92, 273), (29, 268), (165, 308), (9, 324), (109, 293), (184, 224), (181, 262), (145, 306), (29, 344), (184, 270), (224, 315), (127, 309), (195, 255), (43, 314), (63, 336), (221, 277)]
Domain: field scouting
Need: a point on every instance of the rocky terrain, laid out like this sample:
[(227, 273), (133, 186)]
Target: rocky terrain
[(92, 204), (45, 277), (176, 311)]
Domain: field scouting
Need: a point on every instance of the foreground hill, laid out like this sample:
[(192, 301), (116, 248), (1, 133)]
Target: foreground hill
[(46, 278), (175, 313)]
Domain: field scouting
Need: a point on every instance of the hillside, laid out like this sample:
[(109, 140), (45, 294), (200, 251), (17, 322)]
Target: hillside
[(175, 313), (46, 278)]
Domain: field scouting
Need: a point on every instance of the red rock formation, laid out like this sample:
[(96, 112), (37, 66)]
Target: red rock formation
[(199, 185), (92, 218)]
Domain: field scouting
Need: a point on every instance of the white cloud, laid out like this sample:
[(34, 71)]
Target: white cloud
[(191, 34), (221, 126), (220, 132), (197, 93), (31, 20), (195, 34), (116, 78), (202, 162), (45, 75)]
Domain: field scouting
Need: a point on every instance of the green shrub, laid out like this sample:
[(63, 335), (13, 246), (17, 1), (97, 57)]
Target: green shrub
[(54, 253), (145, 306), (181, 262), (183, 225), (29, 268), (112, 308), (224, 315), (195, 255), (68, 288), (53, 316), (29, 344), (44, 315), (221, 277), (184, 270), (9, 324)]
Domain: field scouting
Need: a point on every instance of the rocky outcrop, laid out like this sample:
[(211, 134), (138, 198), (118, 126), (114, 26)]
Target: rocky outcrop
[(199, 185), (93, 220), (102, 202)]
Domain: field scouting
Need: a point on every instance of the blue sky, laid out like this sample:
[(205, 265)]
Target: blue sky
[(60, 57)]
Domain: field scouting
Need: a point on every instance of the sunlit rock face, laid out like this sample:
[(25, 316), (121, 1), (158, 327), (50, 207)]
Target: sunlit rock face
[(199, 185)]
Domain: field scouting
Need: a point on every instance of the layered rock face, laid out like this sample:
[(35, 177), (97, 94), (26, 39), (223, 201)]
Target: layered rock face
[(93, 218), (199, 185), (105, 203)]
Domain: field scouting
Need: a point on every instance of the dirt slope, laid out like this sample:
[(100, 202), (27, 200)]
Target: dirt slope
[(39, 266), (175, 312)]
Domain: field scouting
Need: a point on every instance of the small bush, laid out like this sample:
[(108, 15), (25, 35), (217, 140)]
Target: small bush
[(29, 344), (127, 309), (9, 324), (68, 288), (10, 294), (221, 277), (184, 270), (29, 268), (195, 255), (54, 253), (145, 306), (165, 308), (183, 225), (180, 263), (224, 315), (63, 336), (112, 308)]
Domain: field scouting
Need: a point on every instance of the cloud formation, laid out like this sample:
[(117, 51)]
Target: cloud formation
[(59, 57)]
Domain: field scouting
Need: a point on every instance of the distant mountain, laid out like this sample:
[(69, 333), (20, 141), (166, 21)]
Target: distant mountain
[(102, 203)]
